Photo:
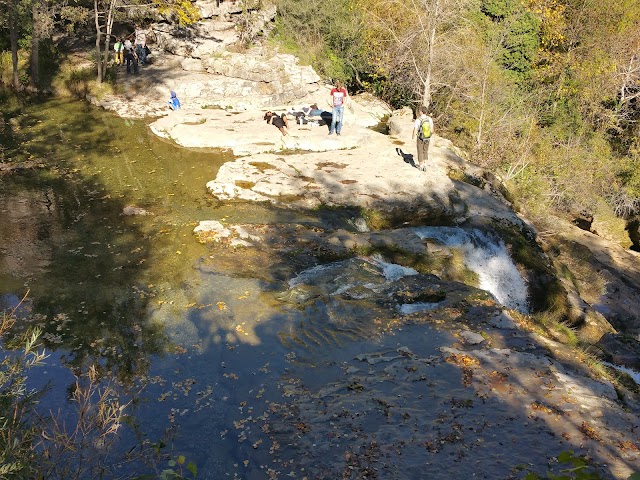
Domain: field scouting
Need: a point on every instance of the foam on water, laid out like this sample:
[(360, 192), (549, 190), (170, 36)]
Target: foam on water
[(392, 271), (489, 259)]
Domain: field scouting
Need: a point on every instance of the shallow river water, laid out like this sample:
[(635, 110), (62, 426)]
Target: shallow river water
[(125, 292), (130, 293)]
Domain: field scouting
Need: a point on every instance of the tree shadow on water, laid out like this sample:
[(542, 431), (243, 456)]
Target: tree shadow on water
[(66, 236)]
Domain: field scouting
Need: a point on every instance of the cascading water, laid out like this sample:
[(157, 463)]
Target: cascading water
[(392, 271), (483, 254), (489, 259)]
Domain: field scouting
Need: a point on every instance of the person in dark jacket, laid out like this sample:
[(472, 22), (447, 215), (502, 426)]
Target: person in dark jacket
[(279, 121)]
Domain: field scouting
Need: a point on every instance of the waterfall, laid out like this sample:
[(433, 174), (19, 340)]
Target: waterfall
[(488, 257)]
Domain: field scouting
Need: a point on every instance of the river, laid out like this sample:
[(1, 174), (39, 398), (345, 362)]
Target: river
[(250, 366)]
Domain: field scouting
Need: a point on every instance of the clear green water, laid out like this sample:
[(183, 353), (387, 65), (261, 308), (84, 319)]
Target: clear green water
[(125, 292)]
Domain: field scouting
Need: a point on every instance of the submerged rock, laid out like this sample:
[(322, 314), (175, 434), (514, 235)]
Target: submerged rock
[(132, 210)]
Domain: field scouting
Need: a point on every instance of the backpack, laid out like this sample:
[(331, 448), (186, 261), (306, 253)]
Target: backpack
[(424, 132)]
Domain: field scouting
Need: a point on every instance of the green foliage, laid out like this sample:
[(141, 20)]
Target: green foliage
[(521, 39), (498, 9), (330, 39), (521, 44), (178, 469)]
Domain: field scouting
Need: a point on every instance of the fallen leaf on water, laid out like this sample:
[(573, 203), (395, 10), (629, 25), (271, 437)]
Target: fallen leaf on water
[(221, 306)]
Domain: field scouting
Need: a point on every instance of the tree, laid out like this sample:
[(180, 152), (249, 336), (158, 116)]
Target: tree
[(105, 11), (103, 14), (409, 39), (42, 25), (330, 39), (12, 6)]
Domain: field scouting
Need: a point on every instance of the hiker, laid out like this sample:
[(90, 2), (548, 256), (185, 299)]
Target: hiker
[(422, 130), (140, 42), (339, 97), (132, 60), (173, 102), (280, 121), (118, 47)]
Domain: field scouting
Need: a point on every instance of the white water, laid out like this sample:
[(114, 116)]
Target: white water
[(392, 271), (489, 259), (483, 254), (407, 308)]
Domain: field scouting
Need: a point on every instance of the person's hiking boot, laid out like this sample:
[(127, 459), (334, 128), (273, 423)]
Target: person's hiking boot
[(330, 133)]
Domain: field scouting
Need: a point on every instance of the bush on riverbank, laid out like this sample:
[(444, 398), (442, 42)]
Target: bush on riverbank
[(19, 426)]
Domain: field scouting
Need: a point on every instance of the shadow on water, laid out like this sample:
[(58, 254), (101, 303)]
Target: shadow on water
[(260, 379), (65, 240)]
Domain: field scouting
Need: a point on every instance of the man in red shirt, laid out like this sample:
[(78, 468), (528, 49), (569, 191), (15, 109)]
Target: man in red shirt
[(339, 97)]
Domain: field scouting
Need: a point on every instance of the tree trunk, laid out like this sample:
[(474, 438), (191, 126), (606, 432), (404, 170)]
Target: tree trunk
[(96, 13), (426, 95), (107, 41), (13, 37), (34, 80)]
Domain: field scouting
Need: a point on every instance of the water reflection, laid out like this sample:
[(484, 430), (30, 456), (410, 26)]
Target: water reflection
[(92, 271)]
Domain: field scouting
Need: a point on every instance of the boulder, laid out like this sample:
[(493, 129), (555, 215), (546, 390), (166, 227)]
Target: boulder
[(622, 350), (401, 122), (278, 76)]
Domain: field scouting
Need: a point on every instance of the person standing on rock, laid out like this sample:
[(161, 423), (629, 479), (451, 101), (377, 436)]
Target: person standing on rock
[(422, 130), (119, 49), (339, 96), (140, 43), (132, 60)]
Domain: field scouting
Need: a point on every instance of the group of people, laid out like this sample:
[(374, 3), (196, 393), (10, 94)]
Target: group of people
[(133, 54), (339, 97)]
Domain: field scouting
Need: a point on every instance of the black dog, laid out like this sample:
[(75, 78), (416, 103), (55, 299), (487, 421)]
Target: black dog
[(407, 157)]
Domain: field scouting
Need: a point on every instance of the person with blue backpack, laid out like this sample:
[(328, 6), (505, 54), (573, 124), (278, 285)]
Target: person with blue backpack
[(422, 130)]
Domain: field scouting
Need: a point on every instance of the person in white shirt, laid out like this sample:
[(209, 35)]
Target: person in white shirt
[(141, 43), (339, 97)]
